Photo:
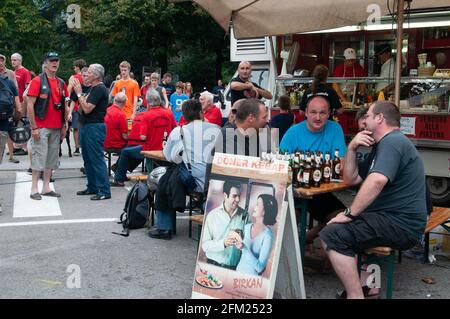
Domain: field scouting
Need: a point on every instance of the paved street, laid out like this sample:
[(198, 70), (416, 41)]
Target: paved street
[(43, 249)]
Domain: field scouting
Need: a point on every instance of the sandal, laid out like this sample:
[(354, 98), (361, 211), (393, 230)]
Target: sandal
[(36, 196), (51, 194), (366, 292)]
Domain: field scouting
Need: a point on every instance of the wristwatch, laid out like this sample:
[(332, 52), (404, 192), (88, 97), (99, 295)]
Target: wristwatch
[(348, 213), (80, 95)]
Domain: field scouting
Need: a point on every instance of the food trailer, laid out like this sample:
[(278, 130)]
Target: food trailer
[(424, 89)]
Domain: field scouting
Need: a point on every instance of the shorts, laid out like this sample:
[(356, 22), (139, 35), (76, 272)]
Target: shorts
[(75, 124), (46, 150), (368, 230)]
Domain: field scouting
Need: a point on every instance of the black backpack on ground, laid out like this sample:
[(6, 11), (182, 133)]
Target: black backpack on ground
[(7, 101), (136, 210)]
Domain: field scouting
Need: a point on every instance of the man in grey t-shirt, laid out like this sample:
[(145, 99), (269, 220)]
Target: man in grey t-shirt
[(389, 208)]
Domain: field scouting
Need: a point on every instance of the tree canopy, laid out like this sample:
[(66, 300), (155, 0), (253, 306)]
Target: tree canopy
[(180, 38)]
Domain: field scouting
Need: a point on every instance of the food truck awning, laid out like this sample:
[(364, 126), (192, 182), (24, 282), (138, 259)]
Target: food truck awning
[(255, 18)]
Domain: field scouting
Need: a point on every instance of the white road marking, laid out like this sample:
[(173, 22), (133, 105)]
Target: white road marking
[(24, 206), (62, 221)]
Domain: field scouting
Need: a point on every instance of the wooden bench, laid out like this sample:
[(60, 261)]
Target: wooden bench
[(438, 216), (138, 178)]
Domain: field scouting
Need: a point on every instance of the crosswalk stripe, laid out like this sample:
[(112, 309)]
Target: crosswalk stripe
[(61, 221), (24, 206)]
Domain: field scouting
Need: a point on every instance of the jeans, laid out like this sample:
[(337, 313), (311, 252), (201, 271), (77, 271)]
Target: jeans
[(164, 219), (92, 138), (127, 153)]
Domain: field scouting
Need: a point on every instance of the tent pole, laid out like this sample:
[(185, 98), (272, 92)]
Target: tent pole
[(398, 62)]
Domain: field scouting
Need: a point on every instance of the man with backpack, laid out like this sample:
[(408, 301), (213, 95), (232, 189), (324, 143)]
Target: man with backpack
[(9, 101), (48, 113), (7, 74)]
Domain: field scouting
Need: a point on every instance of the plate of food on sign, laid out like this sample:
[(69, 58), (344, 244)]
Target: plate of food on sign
[(208, 281)]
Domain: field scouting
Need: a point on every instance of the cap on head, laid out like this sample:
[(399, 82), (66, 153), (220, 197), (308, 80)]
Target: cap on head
[(350, 54), (2, 57), (51, 56), (382, 48)]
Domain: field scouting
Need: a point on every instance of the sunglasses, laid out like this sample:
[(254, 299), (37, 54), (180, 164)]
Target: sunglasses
[(234, 111)]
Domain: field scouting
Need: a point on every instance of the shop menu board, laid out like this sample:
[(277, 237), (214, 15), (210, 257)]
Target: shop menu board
[(243, 228)]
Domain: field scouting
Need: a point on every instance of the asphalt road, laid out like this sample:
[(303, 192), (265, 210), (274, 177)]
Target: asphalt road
[(75, 255)]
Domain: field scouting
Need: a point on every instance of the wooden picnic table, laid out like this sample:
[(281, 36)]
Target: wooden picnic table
[(305, 194)]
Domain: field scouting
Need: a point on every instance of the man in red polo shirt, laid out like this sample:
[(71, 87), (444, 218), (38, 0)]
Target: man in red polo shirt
[(116, 124), (348, 69), (47, 109), (153, 124)]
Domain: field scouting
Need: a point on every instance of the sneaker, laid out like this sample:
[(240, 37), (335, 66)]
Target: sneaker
[(30, 171), (117, 184), (77, 152), (13, 160), (83, 170), (100, 197)]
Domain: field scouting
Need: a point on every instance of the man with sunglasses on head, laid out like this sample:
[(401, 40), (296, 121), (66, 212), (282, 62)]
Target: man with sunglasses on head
[(48, 113), (317, 132)]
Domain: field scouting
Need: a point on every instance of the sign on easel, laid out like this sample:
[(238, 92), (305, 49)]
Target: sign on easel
[(249, 243)]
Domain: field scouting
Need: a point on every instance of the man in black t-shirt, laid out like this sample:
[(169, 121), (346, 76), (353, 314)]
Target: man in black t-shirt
[(93, 132), (166, 83), (243, 88)]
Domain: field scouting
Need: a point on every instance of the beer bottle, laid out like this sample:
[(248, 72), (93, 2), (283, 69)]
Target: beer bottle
[(336, 165), (317, 174), (295, 168), (307, 173), (164, 141), (290, 171), (301, 169), (327, 168)]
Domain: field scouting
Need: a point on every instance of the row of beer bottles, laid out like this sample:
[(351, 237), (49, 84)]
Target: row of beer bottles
[(311, 169)]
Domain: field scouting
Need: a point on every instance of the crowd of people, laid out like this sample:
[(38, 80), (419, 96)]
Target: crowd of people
[(388, 209)]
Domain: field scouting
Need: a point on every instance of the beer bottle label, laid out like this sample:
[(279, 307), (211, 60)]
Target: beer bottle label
[(317, 175), (337, 169), (326, 172), (306, 177)]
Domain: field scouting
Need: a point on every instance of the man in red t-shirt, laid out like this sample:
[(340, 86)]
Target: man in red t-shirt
[(48, 116), (211, 113), (116, 124), (147, 84), (349, 69), (23, 76), (79, 67), (155, 123)]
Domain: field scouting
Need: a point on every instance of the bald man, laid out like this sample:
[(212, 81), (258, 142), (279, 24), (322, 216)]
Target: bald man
[(243, 88)]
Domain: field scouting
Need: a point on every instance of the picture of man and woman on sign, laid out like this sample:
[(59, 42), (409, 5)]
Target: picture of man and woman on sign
[(240, 228)]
